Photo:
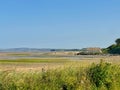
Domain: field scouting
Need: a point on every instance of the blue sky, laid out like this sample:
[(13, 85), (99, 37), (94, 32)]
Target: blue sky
[(59, 23)]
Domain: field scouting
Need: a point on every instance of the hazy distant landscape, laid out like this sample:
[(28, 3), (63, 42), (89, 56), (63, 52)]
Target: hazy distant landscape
[(60, 69)]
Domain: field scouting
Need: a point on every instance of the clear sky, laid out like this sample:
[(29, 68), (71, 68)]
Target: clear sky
[(59, 23)]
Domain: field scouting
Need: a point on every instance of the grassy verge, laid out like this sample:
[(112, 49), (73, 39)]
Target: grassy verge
[(101, 76)]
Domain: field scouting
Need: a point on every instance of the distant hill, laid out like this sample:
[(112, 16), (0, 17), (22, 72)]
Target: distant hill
[(24, 50), (35, 50)]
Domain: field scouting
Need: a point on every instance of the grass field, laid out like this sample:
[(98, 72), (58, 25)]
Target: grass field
[(60, 74), (53, 60)]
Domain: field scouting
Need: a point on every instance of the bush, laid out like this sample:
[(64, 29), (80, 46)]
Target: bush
[(102, 75)]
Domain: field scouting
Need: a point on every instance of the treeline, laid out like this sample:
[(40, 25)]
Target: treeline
[(65, 49), (114, 48)]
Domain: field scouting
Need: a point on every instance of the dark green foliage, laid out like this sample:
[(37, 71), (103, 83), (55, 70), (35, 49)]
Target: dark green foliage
[(117, 41), (100, 74), (113, 49)]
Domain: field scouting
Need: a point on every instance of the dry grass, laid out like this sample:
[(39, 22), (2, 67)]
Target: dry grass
[(37, 66), (71, 74)]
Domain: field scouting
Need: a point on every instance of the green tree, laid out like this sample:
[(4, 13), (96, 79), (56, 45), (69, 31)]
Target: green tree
[(117, 41), (115, 48)]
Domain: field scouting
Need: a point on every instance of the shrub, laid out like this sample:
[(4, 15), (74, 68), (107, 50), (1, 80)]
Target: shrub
[(101, 74)]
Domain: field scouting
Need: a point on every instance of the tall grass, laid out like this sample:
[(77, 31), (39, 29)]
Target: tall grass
[(102, 76)]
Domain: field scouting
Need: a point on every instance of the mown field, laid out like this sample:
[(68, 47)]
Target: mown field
[(60, 74)]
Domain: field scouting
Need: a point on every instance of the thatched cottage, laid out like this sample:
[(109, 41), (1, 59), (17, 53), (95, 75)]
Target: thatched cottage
[(90, 51)]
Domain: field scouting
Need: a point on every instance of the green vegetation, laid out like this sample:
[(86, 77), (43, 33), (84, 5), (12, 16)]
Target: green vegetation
[(113, 49), (117, 41), (52, 60), (102, 76)]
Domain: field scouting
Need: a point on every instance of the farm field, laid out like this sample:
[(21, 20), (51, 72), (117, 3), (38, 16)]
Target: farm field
[(38, 63), (60, 73)]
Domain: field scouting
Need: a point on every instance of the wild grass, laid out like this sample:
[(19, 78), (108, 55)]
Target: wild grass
[(72, 76), (52, 60)]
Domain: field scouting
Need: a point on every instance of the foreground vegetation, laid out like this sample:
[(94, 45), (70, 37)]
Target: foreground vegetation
[(101, 76)]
